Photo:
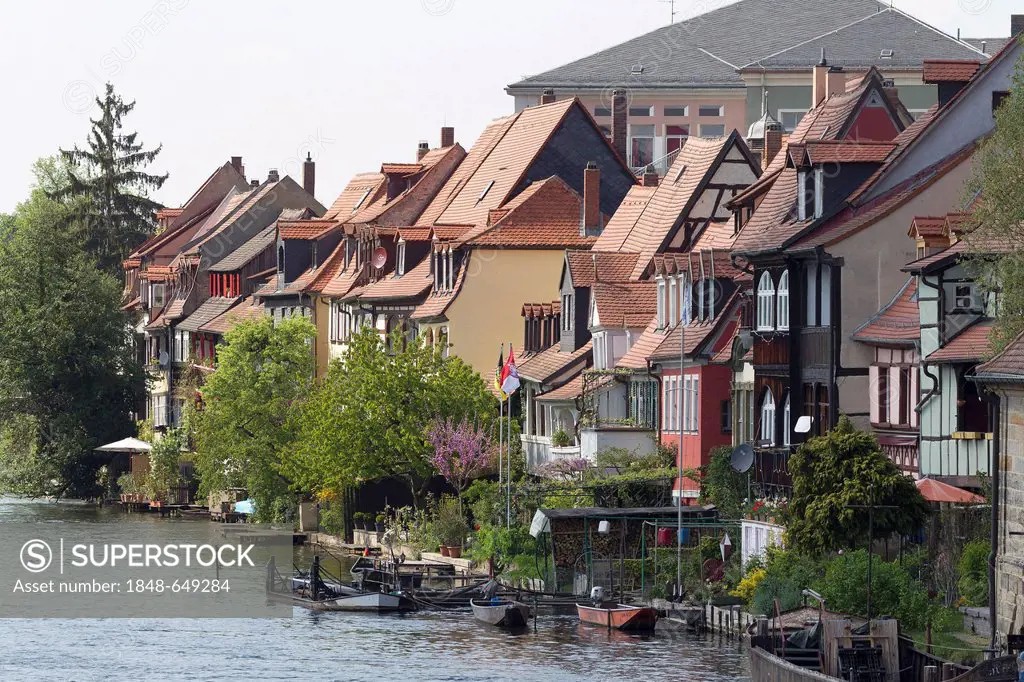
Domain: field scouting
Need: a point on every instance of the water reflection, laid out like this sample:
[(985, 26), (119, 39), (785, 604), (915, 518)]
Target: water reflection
[(426, 645)]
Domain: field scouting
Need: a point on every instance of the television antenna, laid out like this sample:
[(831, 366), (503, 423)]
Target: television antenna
[(672, 9)]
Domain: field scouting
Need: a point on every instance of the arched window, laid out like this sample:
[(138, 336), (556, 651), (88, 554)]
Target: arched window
[(785, 423), (765, 303), (768, 417), (782, 302)]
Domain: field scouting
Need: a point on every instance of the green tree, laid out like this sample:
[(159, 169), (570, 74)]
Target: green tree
[(368, 419), (893, 591), (723, 486), (998, 182), (842, 468), (68, 377), (119, 213), (249, 405), (164, 464)]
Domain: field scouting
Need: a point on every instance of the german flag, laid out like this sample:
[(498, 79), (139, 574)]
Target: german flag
[(497, 373)]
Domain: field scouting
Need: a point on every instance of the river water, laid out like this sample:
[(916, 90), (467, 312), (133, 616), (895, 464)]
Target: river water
[(424, 645)]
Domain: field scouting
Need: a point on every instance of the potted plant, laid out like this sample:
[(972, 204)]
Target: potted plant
[(359, 520), (379, 522), (561, 439), (451, 526)]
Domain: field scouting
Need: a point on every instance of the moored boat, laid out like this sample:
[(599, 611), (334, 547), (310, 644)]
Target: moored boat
[(501, 612), (618, 616)]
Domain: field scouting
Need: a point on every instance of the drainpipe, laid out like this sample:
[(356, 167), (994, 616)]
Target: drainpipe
[(994, 420)]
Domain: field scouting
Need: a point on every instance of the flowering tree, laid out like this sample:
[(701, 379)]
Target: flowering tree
[(565, 469), (461, 451)]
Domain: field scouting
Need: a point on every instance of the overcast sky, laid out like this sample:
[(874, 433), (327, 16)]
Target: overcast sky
[(355, 83)]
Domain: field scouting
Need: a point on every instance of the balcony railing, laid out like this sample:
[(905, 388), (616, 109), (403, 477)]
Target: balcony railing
[(539, 451)]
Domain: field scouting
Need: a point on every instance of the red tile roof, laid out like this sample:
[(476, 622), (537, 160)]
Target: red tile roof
[(615, 301), (499, 173), (948, 70), (970, 345), (546, 365), (848, 151), (896, 324), (774, 221), (545, 214), (359, 193), (401, 168), (541, 310), (588, 267), (622, 222), (1008, 363), (305, 229), (571, 390), (703, 264), (414, 234), (696, 334), (978, 242), (927, 226), (447, 233), (412, 284)]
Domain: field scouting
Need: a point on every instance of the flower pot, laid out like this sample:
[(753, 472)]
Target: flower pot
[(379, 526), (454, 551), (444, 550)]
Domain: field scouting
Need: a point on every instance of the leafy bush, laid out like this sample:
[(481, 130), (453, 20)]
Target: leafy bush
[(788, 573), (561, 439), (128, 484), (894, 591), (749, 584), (973, 571), (449, 522)]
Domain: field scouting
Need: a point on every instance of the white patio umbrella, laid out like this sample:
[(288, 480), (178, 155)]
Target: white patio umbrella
[(126, 445)]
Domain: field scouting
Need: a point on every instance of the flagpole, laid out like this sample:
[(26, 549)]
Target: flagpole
[(501, 422), (508, 460)]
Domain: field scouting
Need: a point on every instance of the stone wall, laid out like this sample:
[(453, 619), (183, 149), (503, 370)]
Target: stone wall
[(1010, 564)]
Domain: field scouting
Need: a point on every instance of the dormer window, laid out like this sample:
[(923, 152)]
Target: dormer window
[(765, 303), (400, 259), (782, 302), (158, 295), (673, 302), (811, 193), (687, 307), (567, 312), (450, 271), (280, 258), (662, 312), (701, 300)]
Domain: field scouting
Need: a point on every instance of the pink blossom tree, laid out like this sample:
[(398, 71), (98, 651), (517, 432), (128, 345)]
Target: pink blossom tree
[(461, 452)]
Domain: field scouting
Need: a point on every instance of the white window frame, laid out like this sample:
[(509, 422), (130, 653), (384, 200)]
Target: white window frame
[(711, 295), (673, 302), (703, 133), (721, 110), (768, 417), (661, 303), (819, 192), (567, 312), (450, 269), (400, 258), (782, 302), (812, 294), (687, 307), (826, 295), (801, 196), (153, 288), (700, 299), (786, 421), (765, 303), (653, 137)]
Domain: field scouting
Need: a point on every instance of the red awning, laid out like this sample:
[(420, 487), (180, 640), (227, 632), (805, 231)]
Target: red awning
[(936, 491)]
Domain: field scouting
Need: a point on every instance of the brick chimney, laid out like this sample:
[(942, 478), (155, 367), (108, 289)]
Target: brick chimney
[(421, 149), (309, 175), (236, 162), (273, 176), (447, 136), (1016, 25), (548, 96), (819, 88), (772, 146), (650, 177), (254, 183), (620, 119), (592, 199), (835, 81)]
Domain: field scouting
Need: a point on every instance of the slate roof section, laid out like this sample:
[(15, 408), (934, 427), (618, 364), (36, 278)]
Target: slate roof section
[(211, 308), (588, 267), (544, 215), (706, 49), (542, 367), (898, 323), (616, 302), (238, 258), (622, 222), (949, 70), (860, 45), (1008, 363), (970, 345)]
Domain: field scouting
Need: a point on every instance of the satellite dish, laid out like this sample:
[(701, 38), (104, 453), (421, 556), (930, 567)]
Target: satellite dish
[(803, 424), (380, 257), (742, 457)]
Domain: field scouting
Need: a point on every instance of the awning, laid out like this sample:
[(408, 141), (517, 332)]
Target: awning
[(936, 491), (127, 445)]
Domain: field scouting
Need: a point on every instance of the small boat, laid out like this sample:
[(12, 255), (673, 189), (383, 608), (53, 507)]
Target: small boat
[(367, 602), (502, 613), (618, 616)]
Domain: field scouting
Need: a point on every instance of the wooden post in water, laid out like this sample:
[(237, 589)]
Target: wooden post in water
[(719, 621)]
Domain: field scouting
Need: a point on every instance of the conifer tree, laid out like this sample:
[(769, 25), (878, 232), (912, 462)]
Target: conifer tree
[(109, 174)]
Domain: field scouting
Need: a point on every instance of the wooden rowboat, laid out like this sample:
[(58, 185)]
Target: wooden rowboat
[(618, 616), (501, 613)]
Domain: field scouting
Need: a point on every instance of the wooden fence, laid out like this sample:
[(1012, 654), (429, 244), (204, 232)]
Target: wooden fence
[(764, 667)]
